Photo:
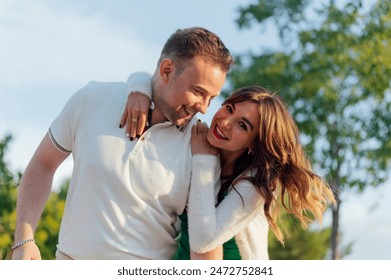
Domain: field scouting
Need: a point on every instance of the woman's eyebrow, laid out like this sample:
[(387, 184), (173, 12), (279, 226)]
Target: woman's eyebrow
[(248, 122)]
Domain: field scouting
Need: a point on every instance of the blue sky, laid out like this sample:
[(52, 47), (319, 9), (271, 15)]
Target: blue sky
[(49, 49)]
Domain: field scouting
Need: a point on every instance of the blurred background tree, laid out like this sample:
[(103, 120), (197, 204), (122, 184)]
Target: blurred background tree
[(8, 186), (333, 71), (310, 244)]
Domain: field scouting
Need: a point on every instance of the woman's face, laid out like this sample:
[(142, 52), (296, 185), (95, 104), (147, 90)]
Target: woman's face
[(234, 126)]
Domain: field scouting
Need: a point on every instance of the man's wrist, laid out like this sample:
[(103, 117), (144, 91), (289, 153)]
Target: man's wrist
[(21, 243)]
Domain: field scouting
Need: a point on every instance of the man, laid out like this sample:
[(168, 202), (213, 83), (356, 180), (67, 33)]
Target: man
[(124, 196)]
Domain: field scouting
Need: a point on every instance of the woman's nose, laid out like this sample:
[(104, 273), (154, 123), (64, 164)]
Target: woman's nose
[(226, 123)]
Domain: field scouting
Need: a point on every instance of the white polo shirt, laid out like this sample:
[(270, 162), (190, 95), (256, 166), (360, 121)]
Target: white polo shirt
[(124, 195)]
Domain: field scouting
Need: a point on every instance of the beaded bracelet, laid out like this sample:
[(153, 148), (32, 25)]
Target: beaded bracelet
[(21, 243)]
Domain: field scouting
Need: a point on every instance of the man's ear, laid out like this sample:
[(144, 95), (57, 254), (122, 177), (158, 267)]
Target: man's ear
[(166, 69)]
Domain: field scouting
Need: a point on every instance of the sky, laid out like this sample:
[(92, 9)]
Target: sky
[(50, 49)]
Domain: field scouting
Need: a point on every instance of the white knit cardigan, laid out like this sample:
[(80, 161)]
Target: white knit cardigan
[(240, 216)]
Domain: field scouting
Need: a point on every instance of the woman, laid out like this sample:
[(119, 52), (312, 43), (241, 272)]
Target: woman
[(252, 149)]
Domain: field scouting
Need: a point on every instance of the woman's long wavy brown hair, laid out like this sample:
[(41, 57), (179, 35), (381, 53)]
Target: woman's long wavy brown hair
[(278, 164)]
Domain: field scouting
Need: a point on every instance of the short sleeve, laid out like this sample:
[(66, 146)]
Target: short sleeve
[(62, 130)]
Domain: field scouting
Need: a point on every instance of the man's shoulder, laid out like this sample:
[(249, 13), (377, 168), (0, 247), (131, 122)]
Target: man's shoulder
[(98, 92), (103, 90)]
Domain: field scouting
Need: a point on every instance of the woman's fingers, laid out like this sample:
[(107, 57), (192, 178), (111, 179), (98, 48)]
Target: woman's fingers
[(124, 117), (202, 127), (135, 115), (134, 120), (199, 141), (199, 126)]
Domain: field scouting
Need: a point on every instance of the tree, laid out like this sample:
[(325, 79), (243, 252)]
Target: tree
[(334, 73), (310, 244), (8, 184)]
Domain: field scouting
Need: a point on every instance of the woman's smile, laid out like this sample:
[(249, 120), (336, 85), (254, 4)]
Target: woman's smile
[(219, 133)]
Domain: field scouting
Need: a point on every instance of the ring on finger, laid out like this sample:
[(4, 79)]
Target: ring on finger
[(134, 119)]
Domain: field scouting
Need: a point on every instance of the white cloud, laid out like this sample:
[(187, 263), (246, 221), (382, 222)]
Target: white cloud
[(45, 44), (48, 52)]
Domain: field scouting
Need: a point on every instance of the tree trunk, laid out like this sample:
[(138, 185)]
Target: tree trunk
[(335, 252)]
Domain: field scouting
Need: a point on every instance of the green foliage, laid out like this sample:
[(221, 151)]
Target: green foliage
[(300, 244), (334, 74), (48, 228), (8, 194), (337, 86), (7, 180), (285, 14)]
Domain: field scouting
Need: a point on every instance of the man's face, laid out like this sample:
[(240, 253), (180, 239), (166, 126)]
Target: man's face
[(189, 92)]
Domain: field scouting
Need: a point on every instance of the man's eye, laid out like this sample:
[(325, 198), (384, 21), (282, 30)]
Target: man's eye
[(199, 92)]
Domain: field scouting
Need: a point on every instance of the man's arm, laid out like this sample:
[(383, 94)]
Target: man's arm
[(34, 191)]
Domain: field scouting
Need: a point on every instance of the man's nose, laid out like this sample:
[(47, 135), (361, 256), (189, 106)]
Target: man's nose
[(203, 105)]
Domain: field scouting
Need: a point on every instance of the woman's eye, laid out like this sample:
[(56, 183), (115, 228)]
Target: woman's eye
[(229, 108), (243, 126)]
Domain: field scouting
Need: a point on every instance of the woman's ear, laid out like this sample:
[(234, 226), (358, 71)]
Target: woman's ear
[(166, 69)]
